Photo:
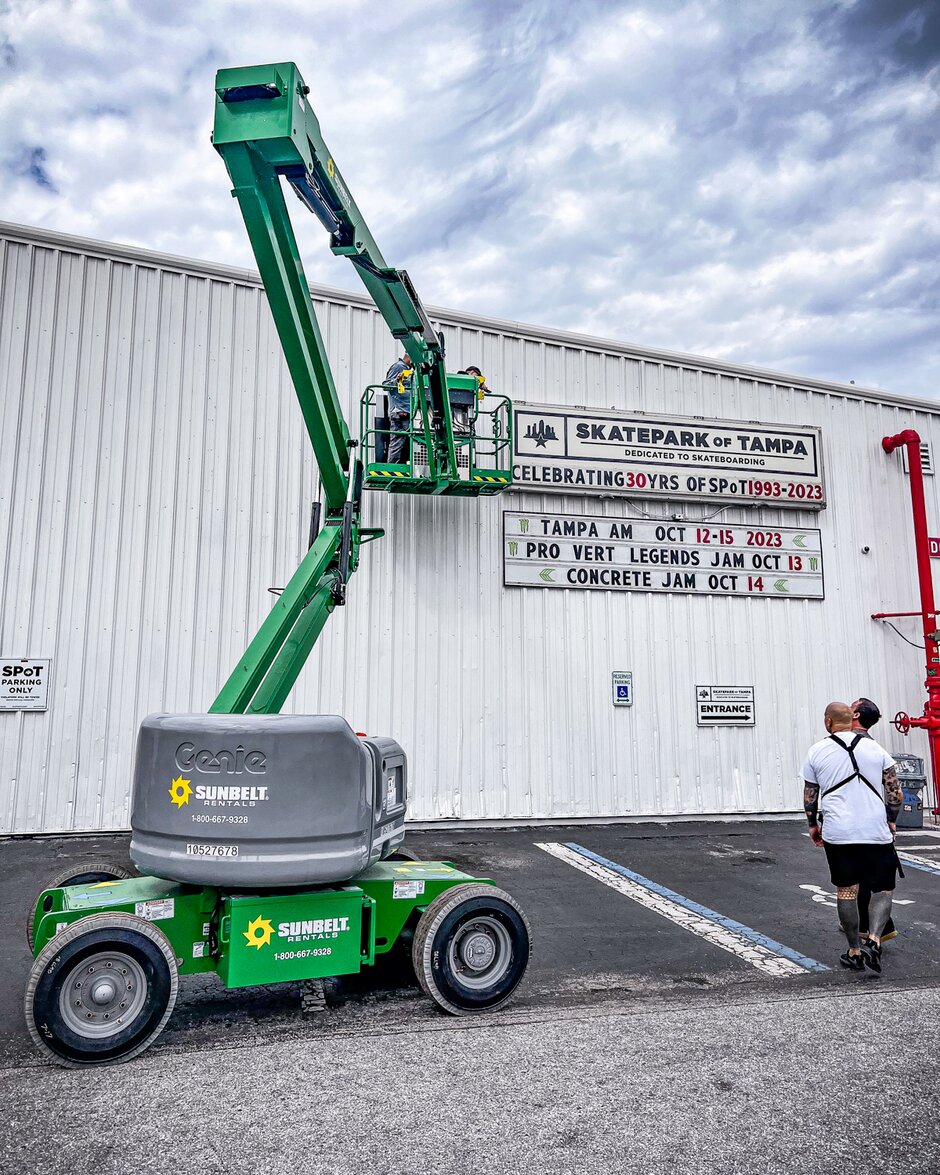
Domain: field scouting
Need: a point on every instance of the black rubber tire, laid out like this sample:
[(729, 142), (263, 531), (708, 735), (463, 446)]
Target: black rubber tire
[(87, 873), (147, 953), (493, 916), (402, 854)]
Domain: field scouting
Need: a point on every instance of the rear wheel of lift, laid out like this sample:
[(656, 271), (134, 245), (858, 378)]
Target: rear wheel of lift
[(471, 948), (101, 991), (87, 873), (401, 854)]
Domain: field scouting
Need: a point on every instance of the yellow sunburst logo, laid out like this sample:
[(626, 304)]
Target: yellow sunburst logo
[(180, 791), (330, 168), (259, 932)]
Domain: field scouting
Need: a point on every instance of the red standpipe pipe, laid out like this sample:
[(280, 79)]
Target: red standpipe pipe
[(931, 716)]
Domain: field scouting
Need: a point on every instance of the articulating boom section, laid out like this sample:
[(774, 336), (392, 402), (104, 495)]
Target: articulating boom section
[(264, 129)]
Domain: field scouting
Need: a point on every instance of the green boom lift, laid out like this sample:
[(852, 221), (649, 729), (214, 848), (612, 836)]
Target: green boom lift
[(110, 947)]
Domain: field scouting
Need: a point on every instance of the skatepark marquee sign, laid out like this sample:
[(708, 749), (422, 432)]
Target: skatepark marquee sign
[(642, 555), (581, 451)]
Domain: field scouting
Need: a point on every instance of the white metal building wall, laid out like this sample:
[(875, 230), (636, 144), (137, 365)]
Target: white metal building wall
[(155, 480)]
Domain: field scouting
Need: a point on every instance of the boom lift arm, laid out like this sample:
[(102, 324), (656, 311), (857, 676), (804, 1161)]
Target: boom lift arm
[(265, 129)]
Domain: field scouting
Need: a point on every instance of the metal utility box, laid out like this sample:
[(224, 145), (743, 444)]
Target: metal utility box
[(263, 800), (276, 937), (913, 780)]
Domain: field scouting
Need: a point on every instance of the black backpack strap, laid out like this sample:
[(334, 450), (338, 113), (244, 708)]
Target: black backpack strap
[(856, 774)]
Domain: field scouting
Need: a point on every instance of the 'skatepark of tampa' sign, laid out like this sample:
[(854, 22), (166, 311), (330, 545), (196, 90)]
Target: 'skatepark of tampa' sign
[(581, 451)]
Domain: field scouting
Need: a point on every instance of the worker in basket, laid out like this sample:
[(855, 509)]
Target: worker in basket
[(397, 384), (460, 408)]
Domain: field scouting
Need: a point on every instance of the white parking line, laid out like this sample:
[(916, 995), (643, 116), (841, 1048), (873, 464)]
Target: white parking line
[(761, 952), (923, 863)]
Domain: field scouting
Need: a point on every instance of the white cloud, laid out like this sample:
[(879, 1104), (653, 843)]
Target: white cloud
[(668, 173)]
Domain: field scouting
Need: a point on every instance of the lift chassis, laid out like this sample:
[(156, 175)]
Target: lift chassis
[(109, 954), (110, 948)]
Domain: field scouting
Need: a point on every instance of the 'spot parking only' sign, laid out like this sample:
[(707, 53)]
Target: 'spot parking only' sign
[(24, 683)]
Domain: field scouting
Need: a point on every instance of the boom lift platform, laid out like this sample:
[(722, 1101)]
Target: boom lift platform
[(270, 845)]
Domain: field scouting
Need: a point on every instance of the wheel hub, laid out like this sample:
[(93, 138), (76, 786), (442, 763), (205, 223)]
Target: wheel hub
[(478, 951), (103, 994)]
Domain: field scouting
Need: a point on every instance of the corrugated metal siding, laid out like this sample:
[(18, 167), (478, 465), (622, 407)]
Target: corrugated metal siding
[(155, 481)]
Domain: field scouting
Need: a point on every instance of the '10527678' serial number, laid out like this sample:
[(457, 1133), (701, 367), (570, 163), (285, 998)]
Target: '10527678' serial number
[(212, 850)]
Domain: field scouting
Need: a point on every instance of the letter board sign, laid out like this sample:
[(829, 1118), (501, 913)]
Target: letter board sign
[(644, 555), (724, 705), (24, 683), (576, 451)]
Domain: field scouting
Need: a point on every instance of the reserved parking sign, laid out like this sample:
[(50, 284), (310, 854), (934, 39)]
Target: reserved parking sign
[(622, 686)]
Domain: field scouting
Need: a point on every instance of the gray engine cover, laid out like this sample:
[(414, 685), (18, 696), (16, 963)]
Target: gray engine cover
[(263, 800)]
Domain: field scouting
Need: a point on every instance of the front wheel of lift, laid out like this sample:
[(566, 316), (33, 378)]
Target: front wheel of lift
[(471, 948), (101, 991), (88, 873)]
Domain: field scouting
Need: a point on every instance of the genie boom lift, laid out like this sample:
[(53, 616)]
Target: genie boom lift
[(269, 845)]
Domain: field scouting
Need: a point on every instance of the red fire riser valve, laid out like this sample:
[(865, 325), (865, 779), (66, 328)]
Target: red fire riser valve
[(930, 720)]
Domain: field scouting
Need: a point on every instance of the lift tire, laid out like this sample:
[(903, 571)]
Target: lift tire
[(471, 948), (87, 873), (109, 956), (402, 854)]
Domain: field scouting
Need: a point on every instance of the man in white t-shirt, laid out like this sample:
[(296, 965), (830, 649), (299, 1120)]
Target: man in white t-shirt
[(852, 798)]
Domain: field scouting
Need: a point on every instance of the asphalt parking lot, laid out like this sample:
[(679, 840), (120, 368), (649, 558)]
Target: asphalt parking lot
[(658, 921), (592, 942)]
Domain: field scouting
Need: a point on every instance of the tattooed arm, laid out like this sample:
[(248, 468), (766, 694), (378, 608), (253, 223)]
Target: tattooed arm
[(893, 795), (811, 808)]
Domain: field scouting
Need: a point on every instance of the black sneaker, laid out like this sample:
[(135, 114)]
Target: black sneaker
[(853, 962), (871, 953)]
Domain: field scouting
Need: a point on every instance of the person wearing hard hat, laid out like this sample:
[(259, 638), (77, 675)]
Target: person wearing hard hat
[(482, 389)]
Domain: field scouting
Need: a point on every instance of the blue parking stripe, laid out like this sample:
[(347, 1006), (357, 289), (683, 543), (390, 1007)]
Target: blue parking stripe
[(729, 923), (917, 865)]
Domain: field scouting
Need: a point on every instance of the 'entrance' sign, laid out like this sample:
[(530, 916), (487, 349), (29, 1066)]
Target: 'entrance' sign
[(642, 555), (724, 705)]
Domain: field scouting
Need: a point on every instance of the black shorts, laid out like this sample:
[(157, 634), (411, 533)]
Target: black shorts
[(873, 865)]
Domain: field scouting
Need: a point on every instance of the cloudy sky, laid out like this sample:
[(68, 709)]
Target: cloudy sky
[(748, 179)]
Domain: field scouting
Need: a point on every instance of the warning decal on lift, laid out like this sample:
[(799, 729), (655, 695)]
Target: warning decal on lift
[(642, 555), (155, 910)]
